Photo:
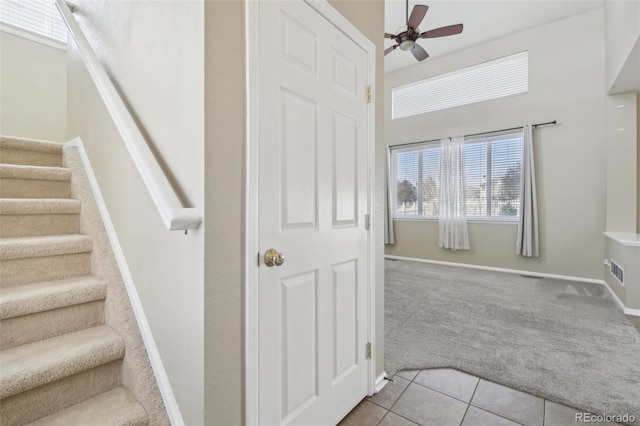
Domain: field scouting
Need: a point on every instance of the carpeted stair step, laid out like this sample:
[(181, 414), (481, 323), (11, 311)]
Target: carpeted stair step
[(33, 312), (116, 407), (28, 217), (28, 366), (34, 259), (20, 181), (42, 378), (14, 150)]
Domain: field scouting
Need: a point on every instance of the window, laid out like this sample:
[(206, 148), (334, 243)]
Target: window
[(34, 19), (490, 80), (492, 167)]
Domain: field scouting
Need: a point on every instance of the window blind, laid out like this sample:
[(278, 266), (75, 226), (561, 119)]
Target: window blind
[(490, 80), (36, 16), (491, 178)]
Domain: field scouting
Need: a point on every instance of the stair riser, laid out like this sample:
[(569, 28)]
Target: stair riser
[(42, 325), (33, 225), (46, 268), (32, 158), (45, 400), (34, 188)]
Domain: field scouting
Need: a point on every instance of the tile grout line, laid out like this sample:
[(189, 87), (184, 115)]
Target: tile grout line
[(496, 414), (389, 409), (397, 399), (470, 399), (442, 393)]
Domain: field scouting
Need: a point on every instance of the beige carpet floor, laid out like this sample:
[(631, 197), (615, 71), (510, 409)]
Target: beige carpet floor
[(564, 341)]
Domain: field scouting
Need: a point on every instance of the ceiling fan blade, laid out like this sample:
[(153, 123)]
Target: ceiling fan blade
[(390, 49), (442, 32), (417, 15), (419, 52), (387, 35)]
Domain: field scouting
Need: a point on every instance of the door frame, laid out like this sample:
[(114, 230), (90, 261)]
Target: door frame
[(251, 268)]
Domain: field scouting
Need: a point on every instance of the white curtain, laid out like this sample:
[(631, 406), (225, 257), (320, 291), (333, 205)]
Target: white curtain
[(453, 223), (389, 237), (528, 243)]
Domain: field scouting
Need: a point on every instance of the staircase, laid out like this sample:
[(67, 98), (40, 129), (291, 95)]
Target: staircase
[(59, 363)]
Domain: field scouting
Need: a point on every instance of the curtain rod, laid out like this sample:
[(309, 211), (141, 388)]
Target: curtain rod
[(477, 134)]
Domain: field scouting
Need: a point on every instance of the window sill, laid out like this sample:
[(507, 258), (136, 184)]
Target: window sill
[(474, 221)]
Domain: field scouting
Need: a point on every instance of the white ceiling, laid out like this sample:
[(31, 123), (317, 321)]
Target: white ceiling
[(483, 21)]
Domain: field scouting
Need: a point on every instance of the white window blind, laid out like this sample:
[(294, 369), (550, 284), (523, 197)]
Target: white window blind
[(492, 176), (492, 167), (417, 177), (490, 80), (36, 16)]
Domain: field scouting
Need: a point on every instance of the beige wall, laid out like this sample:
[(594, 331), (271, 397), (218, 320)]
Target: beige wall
[(622, 32), (224, 194), (566, 71), (154, 53), (33, 89), (622, 143), (638, 163)]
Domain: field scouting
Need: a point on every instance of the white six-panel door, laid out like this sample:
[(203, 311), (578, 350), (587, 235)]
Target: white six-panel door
[(312, 198)]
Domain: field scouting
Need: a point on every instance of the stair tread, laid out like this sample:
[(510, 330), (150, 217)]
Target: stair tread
[(27, 206), (34, 364), (50, 245), (115, 407), (44, 296), (26, 144), (21, 171)]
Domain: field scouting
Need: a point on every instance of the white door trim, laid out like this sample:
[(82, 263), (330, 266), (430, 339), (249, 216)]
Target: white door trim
[(251, 175)]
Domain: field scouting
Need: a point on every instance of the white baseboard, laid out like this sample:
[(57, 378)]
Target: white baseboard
[(381, 381), (169, 399), (628, 311), (509, 271), (632, 312)]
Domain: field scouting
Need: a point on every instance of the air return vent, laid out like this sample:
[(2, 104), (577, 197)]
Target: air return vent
[(617, 271)]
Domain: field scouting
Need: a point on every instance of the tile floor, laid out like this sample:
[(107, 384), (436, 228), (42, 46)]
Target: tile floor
[(443, 397)]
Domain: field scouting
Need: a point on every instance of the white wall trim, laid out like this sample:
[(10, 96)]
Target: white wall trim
[(21, 32), (628, 311), (251, 338), (628, 239), (381, 381), (164, 385), (491, 268)]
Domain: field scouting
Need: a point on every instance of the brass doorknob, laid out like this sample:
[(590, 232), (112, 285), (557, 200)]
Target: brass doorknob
[(273, 258)]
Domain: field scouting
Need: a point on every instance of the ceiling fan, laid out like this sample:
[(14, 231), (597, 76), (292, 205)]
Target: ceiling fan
[(407, 40)]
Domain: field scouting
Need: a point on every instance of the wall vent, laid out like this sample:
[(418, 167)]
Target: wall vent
[(617, 271)]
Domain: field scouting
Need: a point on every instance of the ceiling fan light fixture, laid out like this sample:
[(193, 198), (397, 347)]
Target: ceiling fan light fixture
[(407, 44)]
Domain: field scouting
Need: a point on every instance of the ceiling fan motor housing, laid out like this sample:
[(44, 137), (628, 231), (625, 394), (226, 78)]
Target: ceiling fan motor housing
[(407, 39)]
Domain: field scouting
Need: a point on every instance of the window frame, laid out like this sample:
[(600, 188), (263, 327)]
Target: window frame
[(488, 218)]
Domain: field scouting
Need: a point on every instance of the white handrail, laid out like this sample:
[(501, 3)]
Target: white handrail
[(174, 215)]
